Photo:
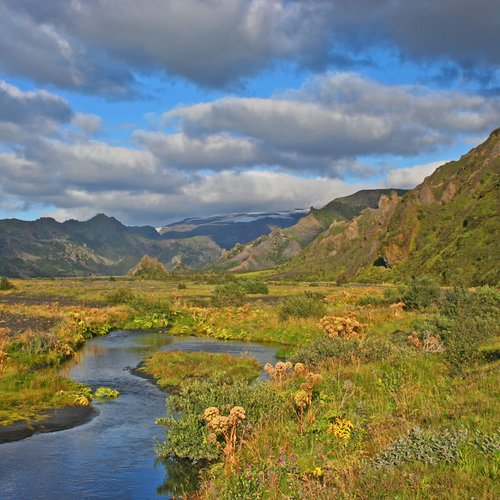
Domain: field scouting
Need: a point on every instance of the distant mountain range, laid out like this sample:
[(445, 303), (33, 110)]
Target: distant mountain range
[(228, 230), (448, 227), (103, 245)]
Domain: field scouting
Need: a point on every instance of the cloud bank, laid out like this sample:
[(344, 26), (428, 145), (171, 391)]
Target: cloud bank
[(295, 149), (97, 46)]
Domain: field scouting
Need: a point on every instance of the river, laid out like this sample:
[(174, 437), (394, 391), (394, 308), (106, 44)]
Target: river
[(112, 456)]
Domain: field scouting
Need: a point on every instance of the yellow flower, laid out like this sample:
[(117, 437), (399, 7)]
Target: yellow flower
[(341, 429), (317, 472)]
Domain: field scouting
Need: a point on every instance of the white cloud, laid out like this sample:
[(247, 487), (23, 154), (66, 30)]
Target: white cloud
[(235, 154), (409, 177), (88, 123)]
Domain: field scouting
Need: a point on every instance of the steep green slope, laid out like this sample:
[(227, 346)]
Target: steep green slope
[(283, 244), (447, 227), (346, 247)]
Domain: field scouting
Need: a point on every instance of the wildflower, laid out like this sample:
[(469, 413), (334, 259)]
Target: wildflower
[(341, 429), (317, 472)]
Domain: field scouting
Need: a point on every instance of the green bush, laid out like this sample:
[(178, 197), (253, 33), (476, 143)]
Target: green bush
[(228, 294), (181, 286), (308, 305), (323, 348), (5, 284), (186, 436), (419, 293), (148, 306), (255, 286), (120, 296), (468, 320), (373, 300)]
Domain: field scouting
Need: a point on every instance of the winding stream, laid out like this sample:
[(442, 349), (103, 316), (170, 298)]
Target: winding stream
[(111, 456)]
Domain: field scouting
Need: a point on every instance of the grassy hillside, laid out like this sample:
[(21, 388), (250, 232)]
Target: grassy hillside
[(448, 226), (346, 247)]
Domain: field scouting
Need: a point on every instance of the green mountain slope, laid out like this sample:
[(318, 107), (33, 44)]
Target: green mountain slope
[(447, 227), (282, 245)]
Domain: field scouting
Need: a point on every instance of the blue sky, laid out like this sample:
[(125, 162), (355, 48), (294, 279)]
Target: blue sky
[(154, 111)]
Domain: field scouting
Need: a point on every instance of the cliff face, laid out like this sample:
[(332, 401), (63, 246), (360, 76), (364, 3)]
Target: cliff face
[(347, 246), (282, 245)]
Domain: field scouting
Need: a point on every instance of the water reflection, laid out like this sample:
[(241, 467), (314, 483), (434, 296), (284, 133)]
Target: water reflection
[(181, 477)]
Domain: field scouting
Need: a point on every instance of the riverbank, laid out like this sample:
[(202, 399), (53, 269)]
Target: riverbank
[(53, 420)]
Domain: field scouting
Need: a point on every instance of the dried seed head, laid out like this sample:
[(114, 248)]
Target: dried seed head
[(210, 413), (219, 424), (299, 369), (237, 413), (301, 398)]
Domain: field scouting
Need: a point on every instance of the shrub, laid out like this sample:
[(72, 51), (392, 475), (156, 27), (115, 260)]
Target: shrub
[(150, 306), (466, 321), (5, 284), (120, 296), (228, 294), (372, 300), (308, 305), (324, 348), (255, 286), (469, 320), (187, 436), (419, 293), (181, 286)]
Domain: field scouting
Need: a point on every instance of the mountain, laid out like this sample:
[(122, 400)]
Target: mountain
[(229, 230), (101, 245), (447, 227), (283, 244)]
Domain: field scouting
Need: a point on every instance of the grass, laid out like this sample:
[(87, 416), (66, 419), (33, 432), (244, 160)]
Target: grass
[(176, 369), (385, 387)]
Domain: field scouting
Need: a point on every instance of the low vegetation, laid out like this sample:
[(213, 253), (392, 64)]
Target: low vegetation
[(5, 284), (176, 369), (391, 391)]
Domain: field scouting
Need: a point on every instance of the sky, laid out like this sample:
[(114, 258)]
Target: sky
[(156, 110)]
